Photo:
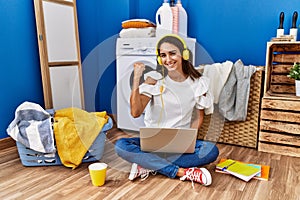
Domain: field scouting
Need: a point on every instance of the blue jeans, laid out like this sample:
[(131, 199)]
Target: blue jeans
[(166, 163)]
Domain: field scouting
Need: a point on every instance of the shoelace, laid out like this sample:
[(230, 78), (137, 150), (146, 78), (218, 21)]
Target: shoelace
[(145, 173), (193, 175)]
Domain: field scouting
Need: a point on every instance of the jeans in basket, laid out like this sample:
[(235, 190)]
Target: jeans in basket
[(166, 163)]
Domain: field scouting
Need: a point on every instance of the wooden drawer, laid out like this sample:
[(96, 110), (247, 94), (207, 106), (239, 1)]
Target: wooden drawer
[(280, 126), (280, 58)]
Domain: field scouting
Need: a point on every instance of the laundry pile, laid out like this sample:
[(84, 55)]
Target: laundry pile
[(141, 28), (70, 131), (230, 86), (32, 127)]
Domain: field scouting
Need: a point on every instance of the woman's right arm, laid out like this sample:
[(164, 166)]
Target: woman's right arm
[(138, 102)]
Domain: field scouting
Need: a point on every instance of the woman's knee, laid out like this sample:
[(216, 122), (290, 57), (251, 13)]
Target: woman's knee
[(213, 149), (120, 145), (214, 153), (125, 146), (209, 151)]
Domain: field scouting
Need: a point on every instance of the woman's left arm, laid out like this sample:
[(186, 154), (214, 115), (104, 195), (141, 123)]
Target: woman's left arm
[(197, 119)]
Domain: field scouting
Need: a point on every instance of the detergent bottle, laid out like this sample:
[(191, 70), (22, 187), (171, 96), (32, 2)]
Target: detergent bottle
[(182, 20), (164, 20), (175, 13)]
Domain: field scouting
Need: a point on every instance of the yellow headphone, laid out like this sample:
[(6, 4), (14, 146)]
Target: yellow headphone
[(185, 52)]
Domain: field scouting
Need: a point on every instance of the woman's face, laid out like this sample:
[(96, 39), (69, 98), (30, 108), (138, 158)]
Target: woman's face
[(170, 56)]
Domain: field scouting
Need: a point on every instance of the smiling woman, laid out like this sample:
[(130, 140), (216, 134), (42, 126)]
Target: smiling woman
[(169, 103)]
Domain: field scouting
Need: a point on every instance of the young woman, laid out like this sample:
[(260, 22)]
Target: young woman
[(171, 102)]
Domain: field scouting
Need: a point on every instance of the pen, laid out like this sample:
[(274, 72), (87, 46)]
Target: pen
[(226, 167)]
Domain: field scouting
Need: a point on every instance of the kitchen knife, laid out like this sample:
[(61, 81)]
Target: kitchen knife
[(295, 16), (294, 29), (280, 30)]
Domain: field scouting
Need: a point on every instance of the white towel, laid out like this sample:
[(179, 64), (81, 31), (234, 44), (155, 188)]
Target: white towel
[(32, 127), (138, 32), (218, 74)]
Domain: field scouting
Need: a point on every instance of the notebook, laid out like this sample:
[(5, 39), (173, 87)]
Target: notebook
[(168, 140), (263, 175), (241, 170)]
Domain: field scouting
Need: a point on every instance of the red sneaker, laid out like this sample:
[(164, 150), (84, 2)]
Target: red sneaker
[(199, 175), (137, 171)]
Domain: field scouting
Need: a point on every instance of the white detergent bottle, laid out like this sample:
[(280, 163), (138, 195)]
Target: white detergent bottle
[(182, 19), (175, 13), (164, 20)]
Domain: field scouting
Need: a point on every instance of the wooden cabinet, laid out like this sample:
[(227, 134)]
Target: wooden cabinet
[(280, 109)]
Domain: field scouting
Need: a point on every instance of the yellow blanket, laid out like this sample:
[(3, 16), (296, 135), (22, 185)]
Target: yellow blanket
[(75, 131)]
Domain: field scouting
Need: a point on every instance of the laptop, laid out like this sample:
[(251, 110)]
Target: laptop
[(168, 140)]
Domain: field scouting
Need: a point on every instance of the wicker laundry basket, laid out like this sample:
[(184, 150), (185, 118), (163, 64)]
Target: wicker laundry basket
[(31, 158), (243, 133)]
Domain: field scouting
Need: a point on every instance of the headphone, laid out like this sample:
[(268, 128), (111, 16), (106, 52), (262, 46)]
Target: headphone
[(185, 52)]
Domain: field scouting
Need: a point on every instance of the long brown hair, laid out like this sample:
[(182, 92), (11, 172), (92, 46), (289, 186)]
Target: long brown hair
[(187, 66)]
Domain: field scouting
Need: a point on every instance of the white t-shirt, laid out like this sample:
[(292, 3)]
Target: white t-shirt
[(179, 100)]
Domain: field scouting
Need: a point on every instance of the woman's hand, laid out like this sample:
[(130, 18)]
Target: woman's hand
[(139, 68), (138, 102)]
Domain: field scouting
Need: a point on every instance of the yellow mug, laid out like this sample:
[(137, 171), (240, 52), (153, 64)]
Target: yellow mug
[(98, 173)]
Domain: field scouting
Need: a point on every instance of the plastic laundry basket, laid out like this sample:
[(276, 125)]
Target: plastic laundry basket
[(30, 157)]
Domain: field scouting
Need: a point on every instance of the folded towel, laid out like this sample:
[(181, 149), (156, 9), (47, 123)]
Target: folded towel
[(75, 131), (137, 23), (32, 127), (137, 32)]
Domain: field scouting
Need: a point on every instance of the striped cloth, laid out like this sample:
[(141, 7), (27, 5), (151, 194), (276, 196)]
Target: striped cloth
[(33, 128)]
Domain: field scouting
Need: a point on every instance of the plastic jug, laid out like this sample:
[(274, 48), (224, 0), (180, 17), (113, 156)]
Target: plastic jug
[(182, 20), (175, 13), (164, 20)]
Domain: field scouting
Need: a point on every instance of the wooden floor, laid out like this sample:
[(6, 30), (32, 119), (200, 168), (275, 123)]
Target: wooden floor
[(59, 182)]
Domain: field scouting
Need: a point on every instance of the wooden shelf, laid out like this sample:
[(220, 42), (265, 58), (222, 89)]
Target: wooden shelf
[(280, 110), (291, 97)]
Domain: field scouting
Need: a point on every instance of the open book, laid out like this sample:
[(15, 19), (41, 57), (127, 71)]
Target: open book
[(244, 171)]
